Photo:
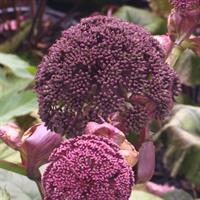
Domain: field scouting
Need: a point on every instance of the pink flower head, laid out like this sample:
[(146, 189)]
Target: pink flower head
[(185, 5), (86, 168)]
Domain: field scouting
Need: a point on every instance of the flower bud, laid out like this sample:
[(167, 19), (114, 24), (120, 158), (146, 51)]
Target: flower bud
[(35, 145)]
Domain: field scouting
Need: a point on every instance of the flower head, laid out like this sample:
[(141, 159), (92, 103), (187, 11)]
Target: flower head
[(86, 168), (96, 68), (184, 5)]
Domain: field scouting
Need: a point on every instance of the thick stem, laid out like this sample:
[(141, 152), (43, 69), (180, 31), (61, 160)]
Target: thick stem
[(40, 188), (174, 55)]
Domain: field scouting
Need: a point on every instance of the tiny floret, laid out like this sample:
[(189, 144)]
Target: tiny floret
[(96, 69), (86, 168), (184, 5)]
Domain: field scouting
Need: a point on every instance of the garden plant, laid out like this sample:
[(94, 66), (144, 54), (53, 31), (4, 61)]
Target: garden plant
[(107, 99)]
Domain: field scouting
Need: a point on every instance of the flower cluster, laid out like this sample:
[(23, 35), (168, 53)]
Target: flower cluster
[(96, 69), (184, 5), (183, 20), (86, 168)]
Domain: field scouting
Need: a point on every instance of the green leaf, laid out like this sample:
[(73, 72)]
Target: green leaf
[(10, 159), (161, 7), (149, 20), (17, 104), (188, 68), (8, 154), (4, 195), (32, 70), (9, 83), (16, 65), (19, 187), (140, 195), (177, 195), (181, 137)]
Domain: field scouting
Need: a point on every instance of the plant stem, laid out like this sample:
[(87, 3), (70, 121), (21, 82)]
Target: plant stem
[(40, 188), (13, 167), (174, 55)]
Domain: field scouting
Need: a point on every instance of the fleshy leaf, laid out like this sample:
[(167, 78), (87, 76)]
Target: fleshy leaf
[(140, 195), (161, 7), (181, 137), (19, 187), (16, 104), (177, 195), (149, 20), (188, 68), (4, 195), (16, 65), (9, 83)]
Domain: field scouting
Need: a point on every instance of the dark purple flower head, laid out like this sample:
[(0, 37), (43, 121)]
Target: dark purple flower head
[(96, 68), (86, 168), (184, 5)]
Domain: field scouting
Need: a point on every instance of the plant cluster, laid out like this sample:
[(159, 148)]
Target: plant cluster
[(101, 82)]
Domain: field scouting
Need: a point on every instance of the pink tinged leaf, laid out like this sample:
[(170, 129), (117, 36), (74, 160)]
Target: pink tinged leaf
[(157, 189), (106, 130), (38, 143), (10, 134), (146, 163), (127, 150)]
